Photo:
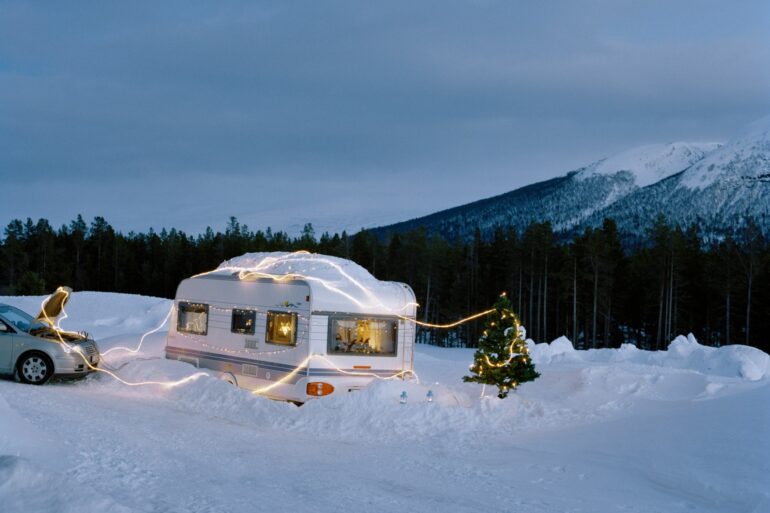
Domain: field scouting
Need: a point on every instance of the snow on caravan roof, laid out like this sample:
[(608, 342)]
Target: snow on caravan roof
[(336, 284)]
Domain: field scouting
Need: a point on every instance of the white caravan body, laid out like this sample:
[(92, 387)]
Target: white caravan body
[(294, 326)]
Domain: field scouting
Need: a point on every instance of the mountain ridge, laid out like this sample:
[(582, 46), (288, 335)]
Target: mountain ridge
[(712, 185)]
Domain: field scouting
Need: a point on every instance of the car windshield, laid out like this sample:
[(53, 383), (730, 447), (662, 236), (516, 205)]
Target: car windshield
[(21, 320)]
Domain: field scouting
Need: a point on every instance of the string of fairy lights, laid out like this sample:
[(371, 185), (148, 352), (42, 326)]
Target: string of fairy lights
[(522, 353), (76, 349), (258, 272), (301, 333)]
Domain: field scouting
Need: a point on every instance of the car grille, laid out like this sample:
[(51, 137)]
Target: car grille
[(89, 348)]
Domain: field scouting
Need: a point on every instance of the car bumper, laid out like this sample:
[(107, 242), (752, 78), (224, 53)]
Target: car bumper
[(75, 364)]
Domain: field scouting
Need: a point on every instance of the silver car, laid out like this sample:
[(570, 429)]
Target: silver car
[(34, 350)]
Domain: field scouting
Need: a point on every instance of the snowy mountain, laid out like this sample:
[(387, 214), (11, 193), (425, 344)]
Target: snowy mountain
[(716, 193), (713, 186), (569, 201), (650, 164)]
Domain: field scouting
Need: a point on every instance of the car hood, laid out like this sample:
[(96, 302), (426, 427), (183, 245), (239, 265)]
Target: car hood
[(54, 306)]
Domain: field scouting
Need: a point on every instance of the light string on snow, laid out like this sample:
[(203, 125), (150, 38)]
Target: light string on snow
[(171, 384), (199, 341), (399, 374), (76, 349), (290, 375), (301, 333), (141, 340), (259, 271), (256, 273), (283, 380)]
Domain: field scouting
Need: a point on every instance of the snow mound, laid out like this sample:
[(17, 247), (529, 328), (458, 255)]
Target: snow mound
[(735, 360), (676, 427), (576, 387), (652, 163), (559, 349), (684, 353), (282, 263), (102, 314), (336, 283)]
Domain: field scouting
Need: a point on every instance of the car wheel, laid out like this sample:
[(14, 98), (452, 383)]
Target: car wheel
[(34, 368)]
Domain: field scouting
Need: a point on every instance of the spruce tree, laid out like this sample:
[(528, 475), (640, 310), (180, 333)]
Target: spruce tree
[(502, 358)]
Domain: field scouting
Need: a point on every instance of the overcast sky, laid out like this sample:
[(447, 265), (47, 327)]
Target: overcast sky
[(350, 113)]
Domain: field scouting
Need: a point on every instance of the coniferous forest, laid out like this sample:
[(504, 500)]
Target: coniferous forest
[(588, 286)]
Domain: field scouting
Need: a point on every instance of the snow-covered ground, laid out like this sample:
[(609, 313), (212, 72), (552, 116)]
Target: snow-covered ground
[(600, 431)]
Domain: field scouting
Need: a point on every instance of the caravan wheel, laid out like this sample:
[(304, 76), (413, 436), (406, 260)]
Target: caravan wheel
[(230, 378)]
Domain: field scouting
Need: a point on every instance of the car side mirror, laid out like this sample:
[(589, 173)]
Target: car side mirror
[(4, 328)]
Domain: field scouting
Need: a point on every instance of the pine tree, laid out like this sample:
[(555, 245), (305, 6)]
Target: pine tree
[(502, 358)]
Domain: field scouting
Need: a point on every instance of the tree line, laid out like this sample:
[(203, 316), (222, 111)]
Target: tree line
[(586, 286)]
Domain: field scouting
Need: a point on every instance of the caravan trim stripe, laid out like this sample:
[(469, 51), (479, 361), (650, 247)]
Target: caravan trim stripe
[(177, 352)]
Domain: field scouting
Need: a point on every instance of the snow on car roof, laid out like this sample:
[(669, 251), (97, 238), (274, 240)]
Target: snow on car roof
[(336, 284)]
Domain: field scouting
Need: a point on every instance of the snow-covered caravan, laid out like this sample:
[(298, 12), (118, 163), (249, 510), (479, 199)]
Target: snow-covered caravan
[(294, 325)]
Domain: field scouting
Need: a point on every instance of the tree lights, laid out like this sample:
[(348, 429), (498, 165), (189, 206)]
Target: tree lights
[(502, 358), (282, 327)]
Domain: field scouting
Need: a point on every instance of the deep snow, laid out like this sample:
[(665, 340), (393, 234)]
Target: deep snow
[(600, 431)]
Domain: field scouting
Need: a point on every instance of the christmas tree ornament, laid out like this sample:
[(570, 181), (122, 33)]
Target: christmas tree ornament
[(502, 358)]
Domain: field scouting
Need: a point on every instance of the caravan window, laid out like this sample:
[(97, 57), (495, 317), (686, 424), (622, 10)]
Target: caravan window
[(193, 318), (243, 321), (363, 336), (281, 328)]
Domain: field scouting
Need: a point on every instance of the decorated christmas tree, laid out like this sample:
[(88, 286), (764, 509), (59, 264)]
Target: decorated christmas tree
[(502, 358)]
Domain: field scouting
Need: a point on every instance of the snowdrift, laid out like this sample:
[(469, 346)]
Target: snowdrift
[(576, 387), (601, 429), (683, 353), (102, 314)]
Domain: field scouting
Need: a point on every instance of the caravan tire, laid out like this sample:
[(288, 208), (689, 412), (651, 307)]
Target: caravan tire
[(229, 378)]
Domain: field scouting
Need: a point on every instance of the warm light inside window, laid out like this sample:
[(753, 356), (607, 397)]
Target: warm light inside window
[(352, 335), (281, 328), (243, 321), (192, 318)]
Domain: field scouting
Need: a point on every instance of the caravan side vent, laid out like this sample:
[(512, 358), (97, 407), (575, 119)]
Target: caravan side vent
[(250, 343), (249, 370)]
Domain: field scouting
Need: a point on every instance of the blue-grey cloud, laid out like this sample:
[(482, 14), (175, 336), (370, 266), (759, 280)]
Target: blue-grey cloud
[(194, 111)]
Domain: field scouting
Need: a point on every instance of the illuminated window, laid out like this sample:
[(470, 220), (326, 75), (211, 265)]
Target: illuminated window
[(193, 318), (281, 328), (363, 336), (243, 321)]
